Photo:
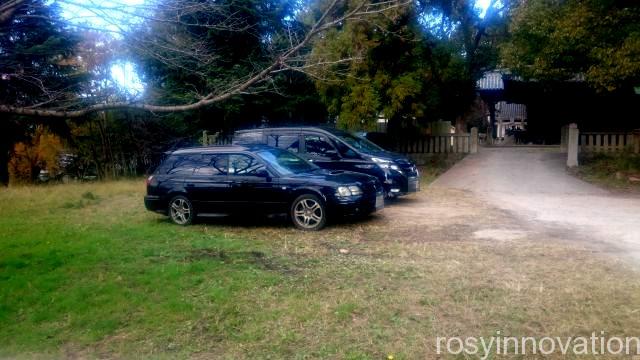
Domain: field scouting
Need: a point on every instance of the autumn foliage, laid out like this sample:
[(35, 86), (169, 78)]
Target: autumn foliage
[(41, 152)]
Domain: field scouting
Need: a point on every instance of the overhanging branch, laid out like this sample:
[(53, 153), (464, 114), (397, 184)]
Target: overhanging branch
[(324, 22)]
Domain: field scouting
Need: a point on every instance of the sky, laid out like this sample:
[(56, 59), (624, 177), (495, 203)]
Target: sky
[(482, 6), (109, 15), (125, 76), (123, 72)]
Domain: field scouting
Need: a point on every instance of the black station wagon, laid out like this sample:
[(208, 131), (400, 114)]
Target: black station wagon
[(339, 150), (257, 179)]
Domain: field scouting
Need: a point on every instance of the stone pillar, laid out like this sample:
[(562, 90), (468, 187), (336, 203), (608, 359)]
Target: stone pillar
[(572, 145), (473, 140), (564, 132), (205, 138)]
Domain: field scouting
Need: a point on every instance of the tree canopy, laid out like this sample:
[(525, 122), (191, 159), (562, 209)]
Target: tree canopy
[(598, 40), (418, 66), (182, 34)]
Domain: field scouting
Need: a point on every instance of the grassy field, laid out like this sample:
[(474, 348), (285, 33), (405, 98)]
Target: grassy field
[(85, 271), (611, 171)]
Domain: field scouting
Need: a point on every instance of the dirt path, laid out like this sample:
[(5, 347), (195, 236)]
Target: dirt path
[(533, 185)]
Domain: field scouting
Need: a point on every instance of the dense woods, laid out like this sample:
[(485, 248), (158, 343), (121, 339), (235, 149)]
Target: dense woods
[(198, 65)]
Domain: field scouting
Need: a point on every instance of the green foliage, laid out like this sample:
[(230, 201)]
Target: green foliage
[(403, 69), (36, 66), (245, 36), (557, 40), (36, 56)]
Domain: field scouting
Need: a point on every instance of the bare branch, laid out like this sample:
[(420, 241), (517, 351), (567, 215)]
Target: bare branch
[(285, 60)]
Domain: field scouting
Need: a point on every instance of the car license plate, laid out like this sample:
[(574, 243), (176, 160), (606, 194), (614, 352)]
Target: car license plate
[(379, 202), (414, 185)]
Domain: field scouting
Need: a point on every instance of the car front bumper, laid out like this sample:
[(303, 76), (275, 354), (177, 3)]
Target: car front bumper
[(402, 183), (358, 205)]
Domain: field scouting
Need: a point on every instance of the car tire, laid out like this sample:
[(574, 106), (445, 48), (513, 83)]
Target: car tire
[(308, 213), (181, 210)]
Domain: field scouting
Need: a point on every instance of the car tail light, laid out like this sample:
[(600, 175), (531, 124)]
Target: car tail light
[(149, 180)]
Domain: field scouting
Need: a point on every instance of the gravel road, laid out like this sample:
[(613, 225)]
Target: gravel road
[(533, 184)]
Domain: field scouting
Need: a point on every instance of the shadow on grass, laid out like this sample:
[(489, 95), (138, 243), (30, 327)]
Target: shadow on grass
[(270, 221)]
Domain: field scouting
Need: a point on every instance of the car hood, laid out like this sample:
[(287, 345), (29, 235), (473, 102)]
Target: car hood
[(336, 176), (391, 156)]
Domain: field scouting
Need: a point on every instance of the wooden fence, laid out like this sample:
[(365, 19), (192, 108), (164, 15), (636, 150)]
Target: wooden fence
[(572, 141), (440, 144), (216, 139), (609, 142)]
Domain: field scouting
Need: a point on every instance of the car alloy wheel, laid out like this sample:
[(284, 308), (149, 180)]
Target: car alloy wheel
[(307, 213), (181, 210)]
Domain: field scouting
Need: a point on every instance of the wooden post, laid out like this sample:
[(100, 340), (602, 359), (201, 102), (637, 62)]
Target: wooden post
[(636, 141), (629, 142), (572, 145), (473, 140)]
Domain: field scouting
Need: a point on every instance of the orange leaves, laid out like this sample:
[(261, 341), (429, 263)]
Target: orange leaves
[(41, 152)]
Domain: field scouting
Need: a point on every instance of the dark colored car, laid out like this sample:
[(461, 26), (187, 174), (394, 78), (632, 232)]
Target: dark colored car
[(257, 179), (379, 138), (339, 150)]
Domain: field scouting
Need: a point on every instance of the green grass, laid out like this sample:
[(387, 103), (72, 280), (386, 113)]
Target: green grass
[(437, 165), (611, 170), (83, 272), (102, 277)]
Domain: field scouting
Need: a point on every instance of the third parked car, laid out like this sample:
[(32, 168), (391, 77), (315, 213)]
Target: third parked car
[(339, 150)]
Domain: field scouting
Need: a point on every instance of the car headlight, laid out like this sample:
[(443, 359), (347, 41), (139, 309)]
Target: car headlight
[(344, 191), (352, 190), (385, 164)]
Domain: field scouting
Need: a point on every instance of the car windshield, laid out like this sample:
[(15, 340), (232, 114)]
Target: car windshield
[(285, 162), (358, 142)]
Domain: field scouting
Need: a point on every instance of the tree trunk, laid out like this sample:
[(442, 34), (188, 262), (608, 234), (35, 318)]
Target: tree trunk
[(4, 165)]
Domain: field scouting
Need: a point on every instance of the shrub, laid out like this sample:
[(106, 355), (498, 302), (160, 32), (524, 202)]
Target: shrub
[(40, 152)]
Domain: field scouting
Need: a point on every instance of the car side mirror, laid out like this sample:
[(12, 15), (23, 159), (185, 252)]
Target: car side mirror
[(333, 155)]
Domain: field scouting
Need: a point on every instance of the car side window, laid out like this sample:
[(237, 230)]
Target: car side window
[(317, 145), (346, 151), (244, 165), (184, 164), (288, 142), (212, 165)]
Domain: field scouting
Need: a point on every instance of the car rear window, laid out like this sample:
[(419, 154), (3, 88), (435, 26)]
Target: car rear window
[(243, 165), (212, 164), (183, 164)]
